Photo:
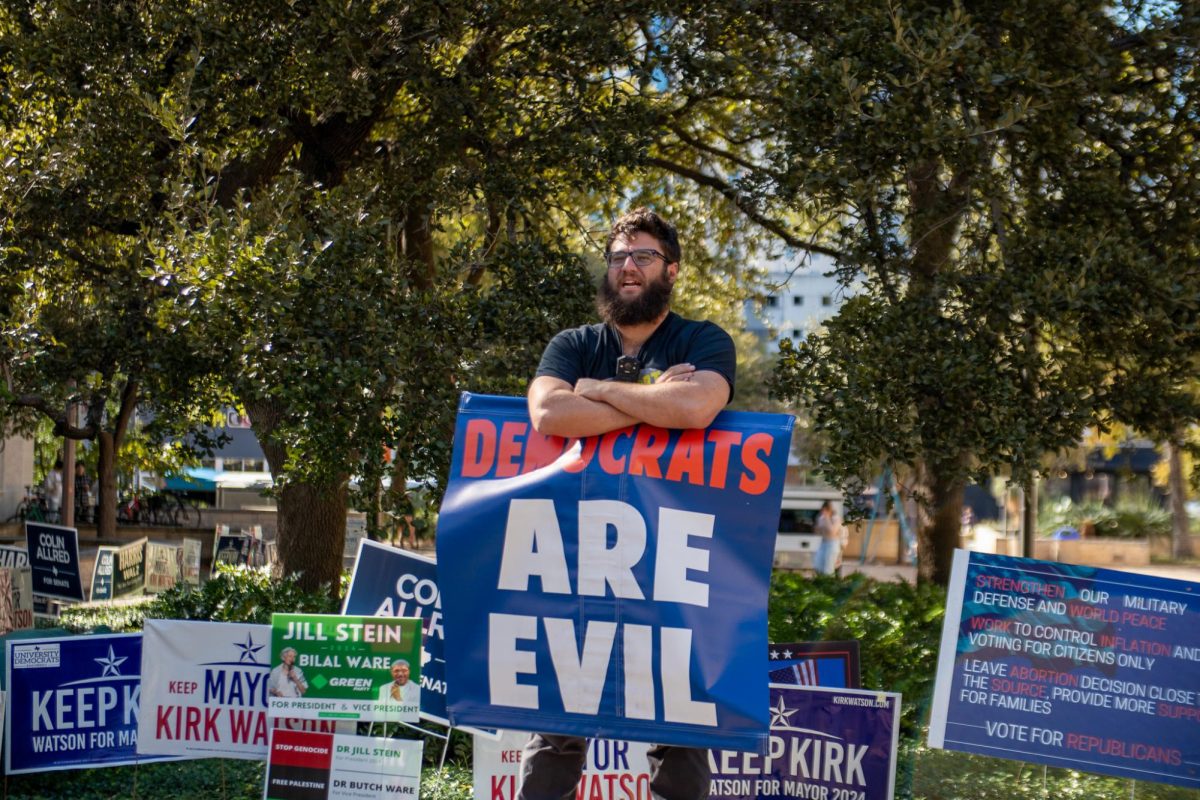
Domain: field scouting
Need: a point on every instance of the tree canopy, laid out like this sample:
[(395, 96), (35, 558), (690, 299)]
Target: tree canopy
[(341, 217)]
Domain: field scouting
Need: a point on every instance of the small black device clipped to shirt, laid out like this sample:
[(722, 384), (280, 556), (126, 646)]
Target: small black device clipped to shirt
[(629, 369)]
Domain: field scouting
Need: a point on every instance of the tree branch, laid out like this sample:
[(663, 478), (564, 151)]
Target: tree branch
[(739, 200)]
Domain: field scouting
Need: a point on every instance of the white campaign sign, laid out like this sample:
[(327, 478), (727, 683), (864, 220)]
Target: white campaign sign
[(204, 690), (614, 770)]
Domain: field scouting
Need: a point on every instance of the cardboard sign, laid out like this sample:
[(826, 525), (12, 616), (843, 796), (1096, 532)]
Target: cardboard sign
[(398, 583), (192, 554), (204, 691), (613, 587), (613, 770), (323, 766), (11, 556), (830, 664), (16, 599), (345, 667), (72, 702), (103, 570), (825, 743), (1070, 666), (129, 579), (53, 552), (164, 566)]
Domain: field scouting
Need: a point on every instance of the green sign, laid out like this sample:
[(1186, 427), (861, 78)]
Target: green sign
[(327, 666)]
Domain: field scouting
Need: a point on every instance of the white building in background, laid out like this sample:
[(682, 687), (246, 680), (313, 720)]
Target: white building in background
[(16, 473), (796, 298)]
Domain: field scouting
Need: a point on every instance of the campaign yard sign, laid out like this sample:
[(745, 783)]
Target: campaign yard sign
[(826, 744), (612, 770), (389, 582), (53, 552), (828, 664), (11, 556), (130, 575), (204, 690), (363, 668), (612, 587), (1070, 666), (16, 599), (103, 569), (72, 702), (833, 664), (163, 566), (325, 766), (192, 553)]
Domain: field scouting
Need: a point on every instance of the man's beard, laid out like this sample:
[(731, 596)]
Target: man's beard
[(648, 306)]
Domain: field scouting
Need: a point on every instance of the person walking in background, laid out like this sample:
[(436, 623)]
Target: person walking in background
[(83, 494), (829, 527)]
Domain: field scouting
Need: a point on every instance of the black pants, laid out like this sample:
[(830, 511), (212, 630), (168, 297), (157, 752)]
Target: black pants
[(551, 766)]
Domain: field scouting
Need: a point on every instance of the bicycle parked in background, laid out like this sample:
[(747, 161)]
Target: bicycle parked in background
[(33, 507), (161, 509)]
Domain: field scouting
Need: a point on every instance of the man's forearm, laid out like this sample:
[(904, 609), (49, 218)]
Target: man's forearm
[(564, 413), (680, 404)]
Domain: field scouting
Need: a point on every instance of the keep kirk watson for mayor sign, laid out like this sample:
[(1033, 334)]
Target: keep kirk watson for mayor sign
[(73, 702), (1071, 666)]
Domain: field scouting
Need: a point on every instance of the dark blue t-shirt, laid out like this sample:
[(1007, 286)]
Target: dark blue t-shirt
[(591, 351)]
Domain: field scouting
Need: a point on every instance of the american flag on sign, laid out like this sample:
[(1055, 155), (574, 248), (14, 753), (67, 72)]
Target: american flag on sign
[(803, 673), (827, 664)]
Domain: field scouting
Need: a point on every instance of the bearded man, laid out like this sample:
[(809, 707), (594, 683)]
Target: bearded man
[(642, 364)]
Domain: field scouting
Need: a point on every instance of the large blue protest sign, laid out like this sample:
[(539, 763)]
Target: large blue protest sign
[(72, 702), (394, 583), (615, 586), (1070, 666), (54, 557), (825, 743)]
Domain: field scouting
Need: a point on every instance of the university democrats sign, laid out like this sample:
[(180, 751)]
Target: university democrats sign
[(615, 586), (73, 702)]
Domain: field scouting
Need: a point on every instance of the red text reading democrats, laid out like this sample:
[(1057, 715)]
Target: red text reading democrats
[(711, 457)]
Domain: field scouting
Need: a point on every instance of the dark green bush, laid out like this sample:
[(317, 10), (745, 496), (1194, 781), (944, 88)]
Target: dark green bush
[(233, 594), (241, 594), (897, 625)]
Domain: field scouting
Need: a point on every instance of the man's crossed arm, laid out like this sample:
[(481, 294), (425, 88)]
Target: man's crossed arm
[(681, 397)]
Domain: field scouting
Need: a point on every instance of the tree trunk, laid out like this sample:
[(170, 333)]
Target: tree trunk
[(1181, 534), (311, 533), (106, 496), (1029, 517), (940, 529), (311, 518)]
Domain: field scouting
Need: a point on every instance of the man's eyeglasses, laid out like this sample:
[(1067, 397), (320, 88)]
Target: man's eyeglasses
[(642, 257)]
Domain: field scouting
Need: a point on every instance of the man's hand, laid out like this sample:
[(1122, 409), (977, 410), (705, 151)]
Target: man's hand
[(588, 387), (679, 372)]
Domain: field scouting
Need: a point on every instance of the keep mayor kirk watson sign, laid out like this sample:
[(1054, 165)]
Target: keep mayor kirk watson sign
[(614, 586)]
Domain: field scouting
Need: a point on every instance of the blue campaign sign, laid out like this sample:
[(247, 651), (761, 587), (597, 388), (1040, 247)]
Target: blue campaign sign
[(102, 573), (1070, 666), (54, 557), (830, 664), (612, 587), (825, 743), (72, 702), (388, 582)]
